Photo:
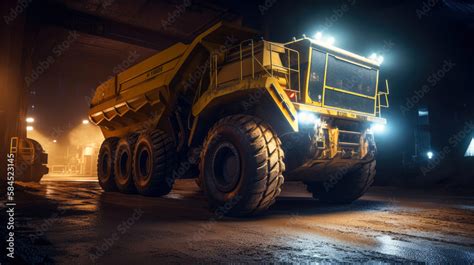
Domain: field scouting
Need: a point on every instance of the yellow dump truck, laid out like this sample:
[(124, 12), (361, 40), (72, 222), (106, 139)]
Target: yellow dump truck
[(241, 114)]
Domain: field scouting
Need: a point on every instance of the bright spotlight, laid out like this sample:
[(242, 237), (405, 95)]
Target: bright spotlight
[(55, 141), (470, 149), (88, 151), (307, 118), (318, 35), (29, 128), (328, 41), (85, 122), (380, 59), (375, 57), (429, 154), (30, 120), (377, 128), (331, 41)]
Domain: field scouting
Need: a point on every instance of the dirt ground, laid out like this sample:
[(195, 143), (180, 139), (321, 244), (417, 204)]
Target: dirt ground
[(74, 222)]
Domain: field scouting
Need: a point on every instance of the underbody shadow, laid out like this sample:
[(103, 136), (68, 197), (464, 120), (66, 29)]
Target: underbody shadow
[(309, 206)]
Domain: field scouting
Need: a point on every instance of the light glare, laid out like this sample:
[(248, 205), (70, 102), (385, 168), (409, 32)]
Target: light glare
[(470, 149), (30, 120), (308, 118), (29, 128), (88, 151), (378, 58), (318, 35), (328, 41), (430, 155), (85, 122), (377, 128), (331, 41)]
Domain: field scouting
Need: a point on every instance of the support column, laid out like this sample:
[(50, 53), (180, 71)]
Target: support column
[(12, 72)]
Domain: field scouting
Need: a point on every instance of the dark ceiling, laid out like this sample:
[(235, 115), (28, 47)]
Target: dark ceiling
[(92, 40)]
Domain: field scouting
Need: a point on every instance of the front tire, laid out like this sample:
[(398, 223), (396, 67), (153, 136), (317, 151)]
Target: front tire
[(153, 163), (105, 164), (241, 166), (345, 187)]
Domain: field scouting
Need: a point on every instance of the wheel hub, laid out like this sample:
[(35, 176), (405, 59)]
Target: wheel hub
[(226, 167)]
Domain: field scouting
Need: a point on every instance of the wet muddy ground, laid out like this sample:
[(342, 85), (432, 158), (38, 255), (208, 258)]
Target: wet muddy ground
[(74, 222)]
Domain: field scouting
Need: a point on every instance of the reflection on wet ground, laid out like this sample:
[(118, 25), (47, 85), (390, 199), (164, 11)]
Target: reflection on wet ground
[(73, 220)]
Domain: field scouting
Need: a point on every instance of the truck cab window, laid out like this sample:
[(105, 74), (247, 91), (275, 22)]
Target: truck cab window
[(316, 75)]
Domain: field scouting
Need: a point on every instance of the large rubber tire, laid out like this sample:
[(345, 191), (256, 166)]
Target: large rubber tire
[(241, 166), (153, 163), (33, 172), (345, 187), (105, 164), (37, 172), (123, 164)]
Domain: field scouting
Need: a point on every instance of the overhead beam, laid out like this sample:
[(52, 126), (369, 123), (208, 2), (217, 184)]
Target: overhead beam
[(58, 15)]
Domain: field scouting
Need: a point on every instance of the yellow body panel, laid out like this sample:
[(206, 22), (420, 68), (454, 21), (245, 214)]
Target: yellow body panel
[(155, 69), (270, 84), (338, 113)]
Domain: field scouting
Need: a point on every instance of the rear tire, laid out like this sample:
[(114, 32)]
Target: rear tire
[(123, 164), (37, 172), (105, 164), (241, 166), (154, 161), (346, 187)]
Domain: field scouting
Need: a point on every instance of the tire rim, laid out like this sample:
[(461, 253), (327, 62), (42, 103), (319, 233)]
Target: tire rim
[(226, 167)]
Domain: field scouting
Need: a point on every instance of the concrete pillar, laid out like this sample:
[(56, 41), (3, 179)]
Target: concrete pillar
[(12, 72)]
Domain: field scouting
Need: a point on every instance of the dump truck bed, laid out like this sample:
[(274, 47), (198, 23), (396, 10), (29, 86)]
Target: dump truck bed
[(155, 71), (118, 101), (130, 97)]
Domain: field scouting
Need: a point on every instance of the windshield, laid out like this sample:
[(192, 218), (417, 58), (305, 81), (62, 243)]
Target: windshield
[(351, 77), (343, 84)]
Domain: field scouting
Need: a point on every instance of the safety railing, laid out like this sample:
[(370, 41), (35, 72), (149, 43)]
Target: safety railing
[(14, 142), (288, 64), (381, 94)]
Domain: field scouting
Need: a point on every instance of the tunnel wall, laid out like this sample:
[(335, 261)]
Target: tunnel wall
[(12, 87)]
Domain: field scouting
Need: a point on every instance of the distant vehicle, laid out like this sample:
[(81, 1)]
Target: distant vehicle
[(30, 159), (251, 114)]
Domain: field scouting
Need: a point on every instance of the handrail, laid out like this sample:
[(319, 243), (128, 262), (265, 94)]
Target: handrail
[(14, 145), (379, 102), (243, 53), (288, 68)]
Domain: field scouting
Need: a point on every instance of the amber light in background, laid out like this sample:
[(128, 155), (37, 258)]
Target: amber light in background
[(73, 152)]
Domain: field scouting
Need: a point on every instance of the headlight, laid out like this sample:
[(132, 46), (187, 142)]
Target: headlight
[(331, 41), (377, 128), (378, 58), (318, 35), (308, 118), (327, 40)]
